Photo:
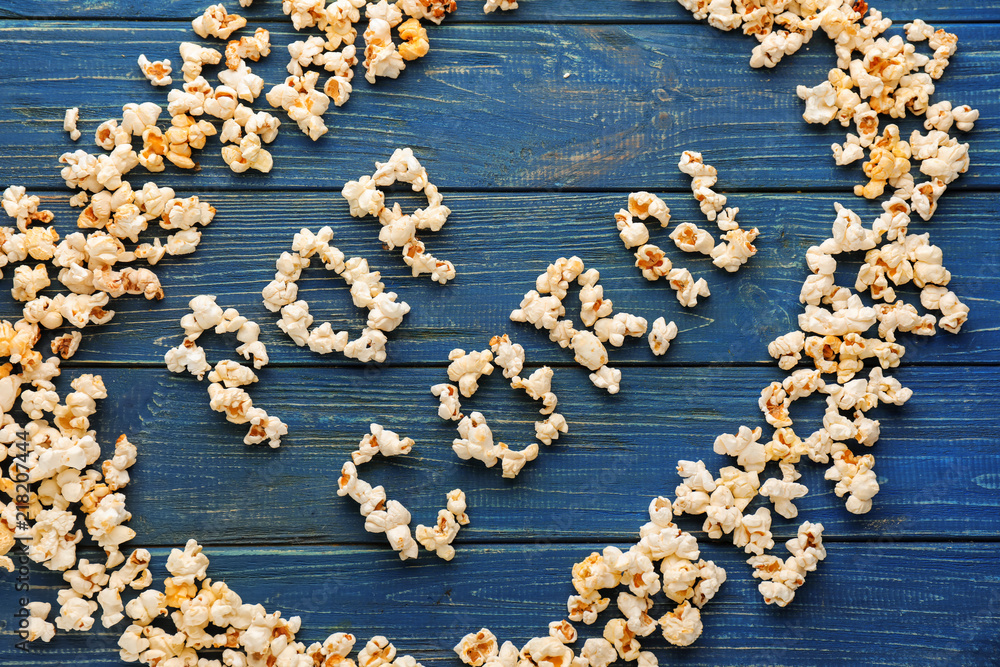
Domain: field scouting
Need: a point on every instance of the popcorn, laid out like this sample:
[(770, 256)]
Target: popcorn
[(75, 613), (466, 369), (688, 289), (381, 56), (249, 155), (543, 312), (730, 256), (478, 648), (782, 493), (434, 10), (504, 5), (216, 22), (157, 72), (507, 355), (549, 430), (644, 205), (660, 336), (195, 57), (24, 208), (415, 43), (703, 176), (653, 263), (69, 123), (253, 47), (631, 233), (682, 626), (691, 238), (35, 627)]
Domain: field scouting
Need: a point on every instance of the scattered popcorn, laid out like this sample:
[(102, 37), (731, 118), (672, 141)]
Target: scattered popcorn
[(398, 229), (703, 177)]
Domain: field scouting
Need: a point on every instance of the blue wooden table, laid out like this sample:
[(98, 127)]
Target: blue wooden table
[(534, 164)]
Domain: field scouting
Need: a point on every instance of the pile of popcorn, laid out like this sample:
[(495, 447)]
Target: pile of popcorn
[(385, 313), (475, 439), (390, 516), (684, 579), (399, 230), (547, 312), (228, 377), (874, 75)]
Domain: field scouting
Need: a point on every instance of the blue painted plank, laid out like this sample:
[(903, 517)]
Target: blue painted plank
[(635, 98), (938, 461), (501, 242), (613, 11), (892, 603)]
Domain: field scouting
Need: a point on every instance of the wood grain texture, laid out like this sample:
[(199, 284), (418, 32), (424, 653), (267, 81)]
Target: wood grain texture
[(637, 95), (894, 604), (534, 165), (500, 243), (938, 461), (529, 11)]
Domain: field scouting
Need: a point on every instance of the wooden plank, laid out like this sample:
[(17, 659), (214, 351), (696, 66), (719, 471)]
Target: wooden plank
[(895, 604), (529, 11), (635, 98), (938, 460), (500, 243)]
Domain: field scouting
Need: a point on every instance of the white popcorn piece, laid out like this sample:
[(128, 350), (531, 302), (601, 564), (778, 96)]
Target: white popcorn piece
[(542, 311), (24, 209), (593, 305), (187, 356), (507, 355), (476, 649), (613, 330), (466, 369), (69, 122), (157, 72), (631, 233), (539, 387), (660, 336), (688, 289), (380, 441), (215, 22), (248, 155), (195, 57), (35, 626), (644, 205), (738, 249), (75, 613), (381, 56), (548, 430), (250, 47), (782, 493), (682, 626), (503, 5), (434, 10), (744, 446), (691, 238), (607, 378)]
